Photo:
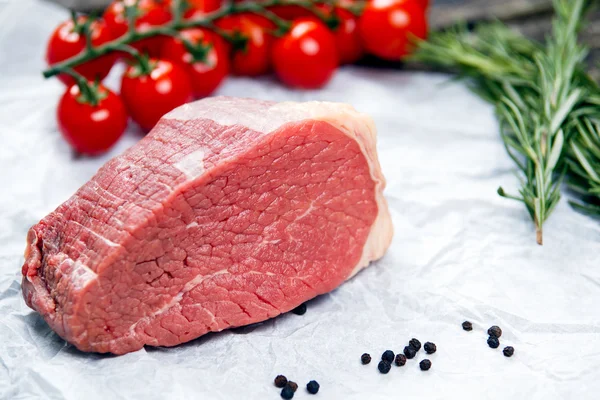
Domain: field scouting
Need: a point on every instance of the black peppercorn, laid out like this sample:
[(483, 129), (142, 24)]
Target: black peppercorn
[(365, 358), (300, 310), (409, 352), (495, 331), (292, 385), (313, 387), (508, 351), (425, 365), (388, 356), (430, 348), (415, 344), (400, 360), (384, 366), (467, 326), (287, 393), (280, 381), (493, 342)]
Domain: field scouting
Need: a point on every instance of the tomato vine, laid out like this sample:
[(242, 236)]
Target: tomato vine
[(179, 23)]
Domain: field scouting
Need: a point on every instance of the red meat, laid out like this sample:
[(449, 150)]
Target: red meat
[(230, 212)]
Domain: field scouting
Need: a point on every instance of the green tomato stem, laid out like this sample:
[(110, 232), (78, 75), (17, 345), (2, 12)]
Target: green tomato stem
[(89, 94)]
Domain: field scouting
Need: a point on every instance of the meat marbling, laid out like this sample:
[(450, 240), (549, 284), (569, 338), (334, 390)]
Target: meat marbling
[(231, 211)]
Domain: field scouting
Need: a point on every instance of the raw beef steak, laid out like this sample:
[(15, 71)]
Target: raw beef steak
[(231, 211)]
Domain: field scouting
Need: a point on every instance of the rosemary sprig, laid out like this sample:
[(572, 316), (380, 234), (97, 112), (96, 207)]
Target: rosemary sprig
[(543, 99)]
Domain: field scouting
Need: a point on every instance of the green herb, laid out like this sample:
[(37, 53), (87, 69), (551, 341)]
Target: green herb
[(548, 108), (583, 158)]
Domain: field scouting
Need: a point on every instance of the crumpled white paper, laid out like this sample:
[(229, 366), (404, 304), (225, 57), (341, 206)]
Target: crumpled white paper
[(459, 253)]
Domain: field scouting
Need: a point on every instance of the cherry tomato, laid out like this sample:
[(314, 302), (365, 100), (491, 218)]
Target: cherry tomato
[(90, 129), (150, 14), (206, 5), (205, 74), (306, 56), (254, 59), (346, 34), (67, 41), (347, 37), (386, 26), (149, 96), (201, 7), (290, 12), (261, 21)]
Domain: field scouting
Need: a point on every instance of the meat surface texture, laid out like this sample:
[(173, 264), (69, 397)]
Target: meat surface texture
[(231, 211)]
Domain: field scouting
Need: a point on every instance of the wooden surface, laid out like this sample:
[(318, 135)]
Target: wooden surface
[(447, 12)]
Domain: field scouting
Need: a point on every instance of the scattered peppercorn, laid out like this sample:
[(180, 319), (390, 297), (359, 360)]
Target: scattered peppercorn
[(287, 393), (467, 326), (388, 356), (430, 348), (292, 385), (280, 381), (409, 352), (300, 310), (493, 342), (365, 358), (495, 331), (415, 344), (400, 360), (508, 351), (313, 387), (425, 365), (384, 366)]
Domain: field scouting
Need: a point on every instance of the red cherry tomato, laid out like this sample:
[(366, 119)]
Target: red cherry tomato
[(261, 21), (386, 26), (67, 41), (89, 129), (206, 5), (291, 12), (306, 56), (346, 34), (347, 37), (205, 74), (150, 14), (201, 7), (149, 96), (424, 4), (254, 59)]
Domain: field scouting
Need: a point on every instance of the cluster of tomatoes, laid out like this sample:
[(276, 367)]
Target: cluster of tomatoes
[(168, 71)]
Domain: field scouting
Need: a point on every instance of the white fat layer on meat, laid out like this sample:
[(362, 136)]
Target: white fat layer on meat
[(265, 116), (192, 165)]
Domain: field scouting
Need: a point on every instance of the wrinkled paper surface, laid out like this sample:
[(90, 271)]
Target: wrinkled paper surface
[(460, 252)]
